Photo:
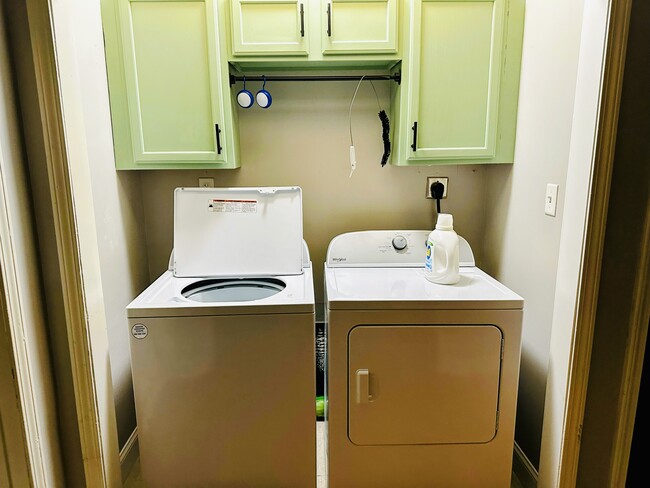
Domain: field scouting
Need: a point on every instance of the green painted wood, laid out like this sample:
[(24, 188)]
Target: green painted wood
[(464, 97), (509, 90), (143, 127), (270, 27), (163, 118), (455, 77), (314, 57), (359, 26), (173, 111)]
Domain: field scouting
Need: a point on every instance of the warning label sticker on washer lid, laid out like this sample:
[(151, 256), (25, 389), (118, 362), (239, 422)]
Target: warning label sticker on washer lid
[(139, 331), (232, 206)]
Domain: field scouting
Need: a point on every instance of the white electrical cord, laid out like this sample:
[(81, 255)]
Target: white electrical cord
[(353, 159)]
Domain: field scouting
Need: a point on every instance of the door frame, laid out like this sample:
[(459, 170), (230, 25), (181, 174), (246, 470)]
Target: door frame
[(29, 441), (15, 466), (75, 240), (593, 138)]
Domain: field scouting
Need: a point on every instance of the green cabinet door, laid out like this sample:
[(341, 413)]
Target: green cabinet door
[(165, 88), (275, 27), (359, 26), (455, 73)]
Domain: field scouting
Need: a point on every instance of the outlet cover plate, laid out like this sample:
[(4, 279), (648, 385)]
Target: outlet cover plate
[(432, 179), (206, 182)]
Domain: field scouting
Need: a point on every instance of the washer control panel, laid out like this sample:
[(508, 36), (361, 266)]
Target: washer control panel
[(386, 248)]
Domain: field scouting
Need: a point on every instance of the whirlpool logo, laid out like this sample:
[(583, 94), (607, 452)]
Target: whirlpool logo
[(339, 260)]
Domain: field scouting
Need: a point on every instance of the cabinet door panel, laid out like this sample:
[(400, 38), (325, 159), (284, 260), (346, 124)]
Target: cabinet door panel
[(359, 26), (427, 384), (455, 70), (269, 27), (172, 83)]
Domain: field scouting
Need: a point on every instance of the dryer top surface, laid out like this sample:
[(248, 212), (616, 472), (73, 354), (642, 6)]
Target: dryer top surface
[(384, 269), (407, 288)]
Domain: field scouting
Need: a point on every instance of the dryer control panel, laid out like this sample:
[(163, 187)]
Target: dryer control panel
[(386, 248)]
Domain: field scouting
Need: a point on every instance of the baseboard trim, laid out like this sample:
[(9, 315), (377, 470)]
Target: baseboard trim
[(524, 469), (129, 454)]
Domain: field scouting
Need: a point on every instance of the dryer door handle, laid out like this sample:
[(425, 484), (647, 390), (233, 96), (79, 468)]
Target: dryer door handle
[(363, 386)]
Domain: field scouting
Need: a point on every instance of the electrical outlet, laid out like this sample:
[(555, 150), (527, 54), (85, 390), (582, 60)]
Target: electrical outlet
[(206, 182), (432, 179)]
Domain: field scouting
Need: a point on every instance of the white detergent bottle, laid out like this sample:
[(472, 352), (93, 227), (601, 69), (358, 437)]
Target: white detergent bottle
[(441, 264)]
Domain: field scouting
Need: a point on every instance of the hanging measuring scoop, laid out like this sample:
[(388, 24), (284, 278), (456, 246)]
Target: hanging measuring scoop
[(245, 98), (263, 97)]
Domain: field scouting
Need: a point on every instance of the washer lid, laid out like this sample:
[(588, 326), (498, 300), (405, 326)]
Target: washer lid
[(237, 231)]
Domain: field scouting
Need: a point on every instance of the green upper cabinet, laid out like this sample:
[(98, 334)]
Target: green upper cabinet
[(359, 26), (169, 64), (314, 33), (269, 27), (168, 105), (459, 93), (455, 76)]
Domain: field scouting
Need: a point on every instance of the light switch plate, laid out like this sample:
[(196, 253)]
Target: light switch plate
[(550, 202)]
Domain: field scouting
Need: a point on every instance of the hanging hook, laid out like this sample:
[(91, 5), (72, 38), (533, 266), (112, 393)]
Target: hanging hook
[(245, 98), (263, 97)]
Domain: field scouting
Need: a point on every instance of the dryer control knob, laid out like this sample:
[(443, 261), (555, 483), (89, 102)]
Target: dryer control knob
[(399, 243)]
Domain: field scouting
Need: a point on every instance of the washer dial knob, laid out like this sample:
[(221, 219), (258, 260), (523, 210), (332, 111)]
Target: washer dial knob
[(399, 243)]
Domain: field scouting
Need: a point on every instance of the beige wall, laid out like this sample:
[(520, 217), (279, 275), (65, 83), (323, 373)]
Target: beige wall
[(521, 243), (303, 139)]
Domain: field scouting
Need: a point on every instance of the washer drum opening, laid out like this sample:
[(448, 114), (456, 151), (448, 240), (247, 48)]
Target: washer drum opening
[(233, 289)]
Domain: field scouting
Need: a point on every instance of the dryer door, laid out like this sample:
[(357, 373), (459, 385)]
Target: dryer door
[(427, 384)]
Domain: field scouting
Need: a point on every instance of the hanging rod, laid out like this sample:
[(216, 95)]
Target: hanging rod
[(397, 78)]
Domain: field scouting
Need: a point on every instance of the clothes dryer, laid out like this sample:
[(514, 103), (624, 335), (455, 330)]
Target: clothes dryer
[(421, 378), (222, 346)]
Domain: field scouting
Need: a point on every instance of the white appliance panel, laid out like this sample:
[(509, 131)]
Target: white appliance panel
[(363, 288), (237, 232), (164, 298), (422, 378), (224, 389), (225, 401), (423, 384)]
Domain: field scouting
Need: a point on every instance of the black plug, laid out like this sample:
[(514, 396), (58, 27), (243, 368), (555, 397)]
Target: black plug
[(437, 191)]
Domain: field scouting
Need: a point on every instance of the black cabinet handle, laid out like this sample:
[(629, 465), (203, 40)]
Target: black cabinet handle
[(329, 20), (414, 146), (217, 131), (302, 20)]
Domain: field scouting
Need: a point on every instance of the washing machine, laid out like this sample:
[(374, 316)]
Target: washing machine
[(222, 346), (421, 378)]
